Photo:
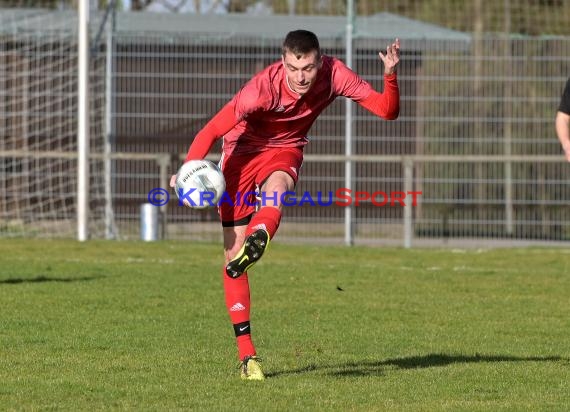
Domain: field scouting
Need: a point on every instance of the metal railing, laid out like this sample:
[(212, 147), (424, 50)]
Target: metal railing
[(407, 182)]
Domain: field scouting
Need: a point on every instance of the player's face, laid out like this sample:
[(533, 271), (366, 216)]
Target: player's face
[(301, 72)]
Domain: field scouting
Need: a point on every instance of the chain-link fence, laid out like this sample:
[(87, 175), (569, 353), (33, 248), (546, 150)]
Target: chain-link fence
[(475, 135)]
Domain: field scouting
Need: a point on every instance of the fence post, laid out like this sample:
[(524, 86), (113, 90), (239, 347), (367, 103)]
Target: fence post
[(110, 229), (163, 163), (348, 164)]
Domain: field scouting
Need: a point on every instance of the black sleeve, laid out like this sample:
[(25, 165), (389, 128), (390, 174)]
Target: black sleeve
[(565, 100)]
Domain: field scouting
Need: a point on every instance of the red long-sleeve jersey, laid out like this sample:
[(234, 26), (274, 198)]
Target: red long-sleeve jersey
[(267, 113)]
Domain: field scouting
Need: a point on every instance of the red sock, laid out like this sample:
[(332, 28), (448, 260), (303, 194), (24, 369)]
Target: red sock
[(268, 218), (238, 305), (245, 346)]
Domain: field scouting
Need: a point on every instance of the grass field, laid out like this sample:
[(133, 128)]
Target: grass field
[(142, 326)]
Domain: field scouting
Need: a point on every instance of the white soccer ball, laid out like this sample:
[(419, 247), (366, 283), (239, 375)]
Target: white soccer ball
[(200, 184)]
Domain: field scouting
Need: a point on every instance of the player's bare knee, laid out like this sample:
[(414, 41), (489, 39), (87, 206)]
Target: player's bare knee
[(279, 182)]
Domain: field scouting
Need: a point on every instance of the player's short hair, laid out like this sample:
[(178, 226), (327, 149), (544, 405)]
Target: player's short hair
[(300, 43)]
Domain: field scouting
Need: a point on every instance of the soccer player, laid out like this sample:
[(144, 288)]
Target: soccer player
[(264, 129), (563, 121)]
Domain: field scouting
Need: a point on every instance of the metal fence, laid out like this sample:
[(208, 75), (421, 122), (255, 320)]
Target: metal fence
[(475, 135)]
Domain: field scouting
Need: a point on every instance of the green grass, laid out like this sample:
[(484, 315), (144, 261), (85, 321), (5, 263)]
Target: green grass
[(142, 327)]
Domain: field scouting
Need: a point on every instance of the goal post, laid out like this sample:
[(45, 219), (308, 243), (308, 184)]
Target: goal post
[(83, 121)]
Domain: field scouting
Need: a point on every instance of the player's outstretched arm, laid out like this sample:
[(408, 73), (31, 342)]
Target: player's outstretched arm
[(387, 104), (219, 125)]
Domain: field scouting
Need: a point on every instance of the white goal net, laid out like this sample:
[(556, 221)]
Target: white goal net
[(38, 124)]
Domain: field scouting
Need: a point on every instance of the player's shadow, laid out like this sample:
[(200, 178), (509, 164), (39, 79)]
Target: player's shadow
[(42, 279), (377, 368)]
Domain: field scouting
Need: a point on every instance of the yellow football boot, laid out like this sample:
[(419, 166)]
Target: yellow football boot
[(253, 248), (251, 369)]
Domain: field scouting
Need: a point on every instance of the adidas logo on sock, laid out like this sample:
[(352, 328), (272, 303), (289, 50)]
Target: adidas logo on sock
[(237, 307), (260, 226)]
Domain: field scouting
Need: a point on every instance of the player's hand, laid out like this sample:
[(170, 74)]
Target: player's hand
[(391, 58), (173, 185)]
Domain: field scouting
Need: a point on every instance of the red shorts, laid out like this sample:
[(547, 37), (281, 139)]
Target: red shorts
[(245, 172)]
